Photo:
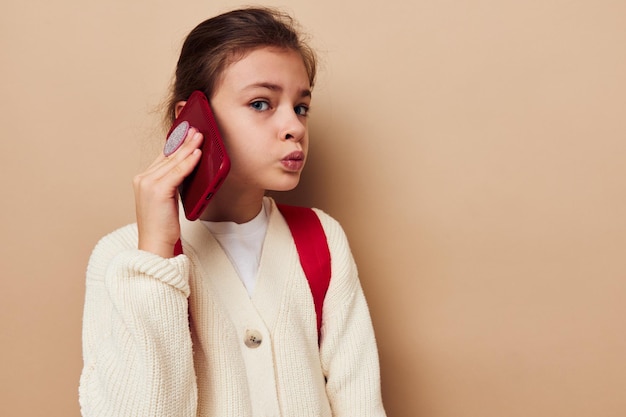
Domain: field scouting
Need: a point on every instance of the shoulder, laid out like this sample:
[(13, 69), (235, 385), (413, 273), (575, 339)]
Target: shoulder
[(336, 236), (109, 246), (333, 230), (123, 238), (342, 260)]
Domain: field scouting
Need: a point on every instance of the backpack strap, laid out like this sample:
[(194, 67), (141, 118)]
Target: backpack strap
[(310, 239), (178, 248)]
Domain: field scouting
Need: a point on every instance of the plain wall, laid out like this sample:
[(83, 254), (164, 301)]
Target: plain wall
[(474, 152)]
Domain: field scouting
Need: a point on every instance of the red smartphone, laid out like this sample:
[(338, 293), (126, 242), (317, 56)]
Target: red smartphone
[(201, 185)]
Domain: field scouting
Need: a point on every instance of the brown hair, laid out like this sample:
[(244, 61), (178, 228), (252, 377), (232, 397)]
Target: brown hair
[(221, 40)]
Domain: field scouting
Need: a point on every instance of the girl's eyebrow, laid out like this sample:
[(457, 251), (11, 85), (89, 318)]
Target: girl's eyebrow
[(305, 92)]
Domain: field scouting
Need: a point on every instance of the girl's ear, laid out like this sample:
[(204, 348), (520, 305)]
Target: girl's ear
[(179, 107)]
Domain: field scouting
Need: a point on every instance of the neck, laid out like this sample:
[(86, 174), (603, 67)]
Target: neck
[(233, 206)]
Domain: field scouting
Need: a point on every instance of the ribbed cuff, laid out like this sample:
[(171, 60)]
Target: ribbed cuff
[(171, 271)]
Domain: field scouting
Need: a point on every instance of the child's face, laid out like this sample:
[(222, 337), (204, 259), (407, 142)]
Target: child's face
[(261, 105)]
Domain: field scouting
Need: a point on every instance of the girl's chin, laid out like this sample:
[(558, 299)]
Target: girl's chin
[(287, 185), (282, 189)]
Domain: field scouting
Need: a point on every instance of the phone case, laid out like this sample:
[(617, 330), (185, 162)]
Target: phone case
[(201, 185)]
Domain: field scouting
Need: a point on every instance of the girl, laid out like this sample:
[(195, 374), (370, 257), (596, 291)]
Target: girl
[(228, 328)]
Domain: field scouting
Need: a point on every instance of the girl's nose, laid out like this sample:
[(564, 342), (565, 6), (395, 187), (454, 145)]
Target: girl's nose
[(293, 128)]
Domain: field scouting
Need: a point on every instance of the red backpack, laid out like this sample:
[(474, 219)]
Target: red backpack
[(310, 239)]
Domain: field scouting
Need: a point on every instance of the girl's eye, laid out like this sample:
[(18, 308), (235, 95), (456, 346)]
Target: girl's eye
[(260, 105), (301, 110)]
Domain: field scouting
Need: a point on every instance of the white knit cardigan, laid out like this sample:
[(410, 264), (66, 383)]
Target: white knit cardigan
[(167, 337)]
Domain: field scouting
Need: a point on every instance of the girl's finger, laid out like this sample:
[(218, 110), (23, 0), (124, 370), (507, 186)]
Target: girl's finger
[(163, 163)]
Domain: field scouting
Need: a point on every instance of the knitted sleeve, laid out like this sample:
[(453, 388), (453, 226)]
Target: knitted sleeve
[(348, 349), (136, 341)]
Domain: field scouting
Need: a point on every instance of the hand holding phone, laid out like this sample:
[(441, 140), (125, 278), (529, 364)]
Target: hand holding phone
[(201, 185)]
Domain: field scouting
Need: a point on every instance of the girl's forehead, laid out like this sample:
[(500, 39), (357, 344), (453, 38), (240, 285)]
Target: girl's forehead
[(265, 55), (268, 65)]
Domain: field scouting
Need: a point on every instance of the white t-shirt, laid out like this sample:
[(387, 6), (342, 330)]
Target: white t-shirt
[(243, 243)]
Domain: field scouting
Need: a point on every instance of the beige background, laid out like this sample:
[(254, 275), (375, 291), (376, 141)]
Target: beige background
[(473, 150)]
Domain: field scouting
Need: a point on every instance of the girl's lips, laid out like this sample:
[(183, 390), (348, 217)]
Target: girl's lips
[(294, 161)]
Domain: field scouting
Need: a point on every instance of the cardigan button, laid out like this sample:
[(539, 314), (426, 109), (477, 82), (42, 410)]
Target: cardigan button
[(253, 339)]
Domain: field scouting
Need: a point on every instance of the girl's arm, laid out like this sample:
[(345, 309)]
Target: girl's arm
[(348, 349), (136, 342)]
